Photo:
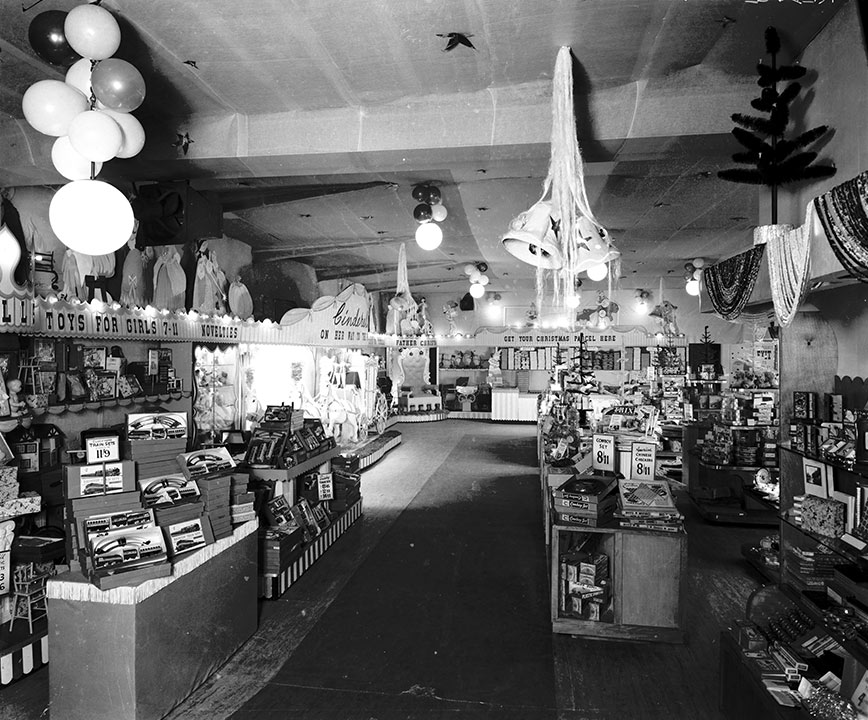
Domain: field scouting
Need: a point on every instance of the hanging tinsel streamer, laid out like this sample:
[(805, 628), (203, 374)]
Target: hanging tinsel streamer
[(789, 254), (730, 283), (842, 212)]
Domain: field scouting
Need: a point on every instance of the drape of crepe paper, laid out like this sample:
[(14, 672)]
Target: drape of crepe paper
[(209, 285), (729, 283), (401, 316), (170, 282), (842, 212), (240, 302), (789, 253), (584, 242), (71, 284), (135, 291)]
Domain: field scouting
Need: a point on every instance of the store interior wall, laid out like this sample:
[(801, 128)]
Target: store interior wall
[(691, 316), (834, 95)]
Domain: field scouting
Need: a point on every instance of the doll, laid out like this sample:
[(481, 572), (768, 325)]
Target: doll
[(17, 406)]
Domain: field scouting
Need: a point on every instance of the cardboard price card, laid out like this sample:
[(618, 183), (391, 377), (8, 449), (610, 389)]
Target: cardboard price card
[(325, 487), (604, 452), (103, 449), (643, 460)]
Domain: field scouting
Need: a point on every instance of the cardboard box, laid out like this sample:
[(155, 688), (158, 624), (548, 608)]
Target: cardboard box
[(87, 480)]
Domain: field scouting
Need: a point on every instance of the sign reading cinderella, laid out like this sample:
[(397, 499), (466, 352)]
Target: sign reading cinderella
[(339, 320)]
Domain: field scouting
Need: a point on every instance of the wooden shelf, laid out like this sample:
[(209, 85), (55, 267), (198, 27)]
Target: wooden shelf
[(312, 463), (861, 470)]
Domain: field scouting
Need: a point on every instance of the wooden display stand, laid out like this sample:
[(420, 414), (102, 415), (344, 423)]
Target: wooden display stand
[(647, 572), (135, 653)]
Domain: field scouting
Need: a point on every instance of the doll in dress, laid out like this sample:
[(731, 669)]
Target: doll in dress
[(170, 283)]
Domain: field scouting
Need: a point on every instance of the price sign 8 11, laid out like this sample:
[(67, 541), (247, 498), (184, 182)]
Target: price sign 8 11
[(604, 453)]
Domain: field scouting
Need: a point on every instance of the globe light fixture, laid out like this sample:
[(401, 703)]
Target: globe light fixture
[(477, 290), (692, 287), (598, 272)]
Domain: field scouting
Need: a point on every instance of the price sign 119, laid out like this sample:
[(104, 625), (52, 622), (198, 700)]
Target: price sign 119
[(604, 453)]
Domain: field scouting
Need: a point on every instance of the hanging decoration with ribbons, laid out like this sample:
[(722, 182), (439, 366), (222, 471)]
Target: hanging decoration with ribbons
[(789, 254), (559, 232), (730, 283), (842, 212)]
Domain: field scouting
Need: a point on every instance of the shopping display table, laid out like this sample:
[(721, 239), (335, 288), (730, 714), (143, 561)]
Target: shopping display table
[(134, 653)]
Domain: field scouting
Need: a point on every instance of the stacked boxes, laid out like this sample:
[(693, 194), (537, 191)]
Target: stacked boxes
[(585, 500), (241, 499), (215, 490), (347, 490), (584, 584), (154, 441), (113, 511)]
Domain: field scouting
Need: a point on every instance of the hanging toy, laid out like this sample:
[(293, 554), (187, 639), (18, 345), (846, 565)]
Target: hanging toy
[(170, 282), (135, 291), (240, 302), (665, 312)]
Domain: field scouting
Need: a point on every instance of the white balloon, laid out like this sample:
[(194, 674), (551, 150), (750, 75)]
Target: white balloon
[(78, 76), (429, 236), (132, 130), (692, 287), (475, 275), (95, 135), (697, 274), (70, 163), (438, 213), (91, 217), (483, 280), (51, 105), (469, 269), (92, 32), (698, 262), (477, 290)]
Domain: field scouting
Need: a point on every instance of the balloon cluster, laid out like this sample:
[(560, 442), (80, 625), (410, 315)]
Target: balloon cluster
[(693, 275), (478, 280), (430, 208), (89, 114)]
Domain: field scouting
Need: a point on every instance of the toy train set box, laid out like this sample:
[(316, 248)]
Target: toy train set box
[(99, 479), (199, 463)]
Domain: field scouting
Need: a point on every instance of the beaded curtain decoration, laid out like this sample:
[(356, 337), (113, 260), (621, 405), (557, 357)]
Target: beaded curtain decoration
[(842, 211), (730, 282), (789, 254)]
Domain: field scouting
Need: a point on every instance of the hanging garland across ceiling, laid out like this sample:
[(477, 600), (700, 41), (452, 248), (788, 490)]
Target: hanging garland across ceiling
[(730, 283), (845, 220), (789, 254)]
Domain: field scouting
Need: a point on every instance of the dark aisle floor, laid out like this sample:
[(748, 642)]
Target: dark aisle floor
[(435, 604)]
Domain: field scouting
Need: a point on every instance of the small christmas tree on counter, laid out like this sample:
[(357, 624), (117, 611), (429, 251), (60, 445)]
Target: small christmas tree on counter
[(775, 159)]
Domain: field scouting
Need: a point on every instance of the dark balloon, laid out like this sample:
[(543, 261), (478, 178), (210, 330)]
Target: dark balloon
[(422, 212), (433, 196), (420, 193), (48, 40)]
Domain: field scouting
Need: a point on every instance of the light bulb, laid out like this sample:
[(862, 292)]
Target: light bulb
[(642, 307), (598, 272), (573, 301), (91, 217), (692, 287), (429, 236), (477, 290)]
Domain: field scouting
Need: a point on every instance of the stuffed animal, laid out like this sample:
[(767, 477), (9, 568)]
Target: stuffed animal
[(665, 312), (17, 406)]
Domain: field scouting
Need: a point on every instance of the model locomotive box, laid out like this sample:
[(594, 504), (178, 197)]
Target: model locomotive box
[(201, 463), (87, 480)]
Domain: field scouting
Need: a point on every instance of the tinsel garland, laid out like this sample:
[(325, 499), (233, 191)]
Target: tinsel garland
[(789, 253), (842, 211), (730, 282)]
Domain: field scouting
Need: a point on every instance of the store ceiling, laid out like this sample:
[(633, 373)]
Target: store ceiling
[(290, 99)]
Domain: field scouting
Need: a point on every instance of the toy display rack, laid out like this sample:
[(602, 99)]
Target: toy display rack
[(272, 587)]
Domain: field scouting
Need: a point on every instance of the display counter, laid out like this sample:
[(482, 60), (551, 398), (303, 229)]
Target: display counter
[(508, 404), (136, 652)]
